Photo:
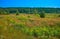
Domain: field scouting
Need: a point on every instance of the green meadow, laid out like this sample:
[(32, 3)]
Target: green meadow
[(30, 26)]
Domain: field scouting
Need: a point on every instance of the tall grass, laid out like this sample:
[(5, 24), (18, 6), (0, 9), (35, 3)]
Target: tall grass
[(39, 31), (48, 28)]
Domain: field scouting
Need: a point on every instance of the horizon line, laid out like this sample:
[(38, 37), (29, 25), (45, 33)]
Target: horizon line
[(29, 7)]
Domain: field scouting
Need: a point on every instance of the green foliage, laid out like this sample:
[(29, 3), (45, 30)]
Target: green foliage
[(42, 15), (0, 27), (29, 10), (3, 12), (22, 18), (39, 31), (42, 31), (29, 16), (17, 13), (58, 15)]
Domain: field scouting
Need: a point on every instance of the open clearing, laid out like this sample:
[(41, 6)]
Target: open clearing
[(29, 26)]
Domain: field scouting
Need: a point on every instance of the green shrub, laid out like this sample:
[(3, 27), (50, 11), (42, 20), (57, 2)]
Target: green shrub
[(29, 16), (1, 17), (17, 13), (42, 15), (58, 15)]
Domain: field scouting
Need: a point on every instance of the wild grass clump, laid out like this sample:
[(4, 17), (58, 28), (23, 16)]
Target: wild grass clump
[(29, 16), (22, 18), (12, 21), (1, 17)]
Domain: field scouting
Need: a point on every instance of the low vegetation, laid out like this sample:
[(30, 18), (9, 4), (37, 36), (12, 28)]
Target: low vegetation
[(29, 26)]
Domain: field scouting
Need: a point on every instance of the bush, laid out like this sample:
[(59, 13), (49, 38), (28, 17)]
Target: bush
[(58, 15), (42, 15), (17, 13)]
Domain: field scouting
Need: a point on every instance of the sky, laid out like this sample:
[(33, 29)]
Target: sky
[(30, 3)]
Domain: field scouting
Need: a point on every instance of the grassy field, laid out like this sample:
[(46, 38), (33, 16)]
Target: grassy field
[(29, 26)]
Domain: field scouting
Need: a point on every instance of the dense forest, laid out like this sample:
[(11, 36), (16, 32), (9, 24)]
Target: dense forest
[(28, 10)]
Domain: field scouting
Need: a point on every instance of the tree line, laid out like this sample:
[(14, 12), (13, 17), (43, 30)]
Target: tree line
[(29, 10)]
